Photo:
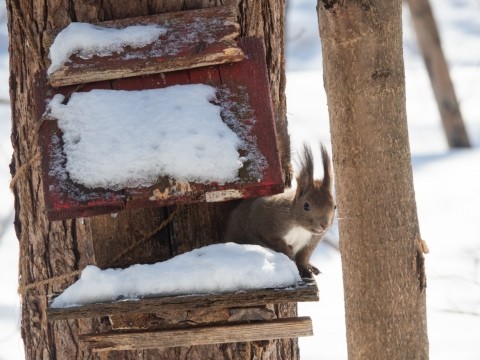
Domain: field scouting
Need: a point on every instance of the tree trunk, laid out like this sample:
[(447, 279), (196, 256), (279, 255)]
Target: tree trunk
[(437, 67), (56, 250), (379, 233)]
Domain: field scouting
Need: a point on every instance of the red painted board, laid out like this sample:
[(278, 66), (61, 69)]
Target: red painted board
[(63, 198), (242, 92)]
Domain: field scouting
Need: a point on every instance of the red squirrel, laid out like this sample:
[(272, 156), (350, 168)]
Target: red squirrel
[(292, 222)]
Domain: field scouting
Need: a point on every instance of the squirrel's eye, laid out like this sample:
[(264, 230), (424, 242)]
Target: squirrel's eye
[(306, 206), (335, 207)]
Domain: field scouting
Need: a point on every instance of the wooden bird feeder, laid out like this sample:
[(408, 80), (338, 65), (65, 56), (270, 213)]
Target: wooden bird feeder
[(153, 321), (209, 55)]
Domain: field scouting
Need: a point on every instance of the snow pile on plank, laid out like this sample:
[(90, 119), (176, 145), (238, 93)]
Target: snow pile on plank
[(118, 139), (88, 40), (211, 269)]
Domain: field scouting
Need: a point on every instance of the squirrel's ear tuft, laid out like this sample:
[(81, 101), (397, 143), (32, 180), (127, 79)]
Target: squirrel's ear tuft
[(305, 175), (327, 169)]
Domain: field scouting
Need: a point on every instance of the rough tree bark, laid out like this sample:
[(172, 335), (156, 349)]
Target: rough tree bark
[(54, 249), (379, 231)]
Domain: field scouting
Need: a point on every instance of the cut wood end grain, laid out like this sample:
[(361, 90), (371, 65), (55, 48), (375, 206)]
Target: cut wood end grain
[(233, 52)]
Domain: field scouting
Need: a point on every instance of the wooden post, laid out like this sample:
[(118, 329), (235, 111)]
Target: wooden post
[(437, 67), (382, 259)]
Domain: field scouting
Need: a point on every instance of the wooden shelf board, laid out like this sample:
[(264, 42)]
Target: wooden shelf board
[(200, 335), (307, 290), (193, 39)]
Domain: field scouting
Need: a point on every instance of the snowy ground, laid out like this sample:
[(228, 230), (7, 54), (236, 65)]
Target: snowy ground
[(447, 185)]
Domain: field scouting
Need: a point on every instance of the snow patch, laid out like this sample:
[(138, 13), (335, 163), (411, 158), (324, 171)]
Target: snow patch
[(88, 40), (212, 269), (116, 139)]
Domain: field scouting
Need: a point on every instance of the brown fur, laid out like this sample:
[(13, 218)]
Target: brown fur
[(267, 220)]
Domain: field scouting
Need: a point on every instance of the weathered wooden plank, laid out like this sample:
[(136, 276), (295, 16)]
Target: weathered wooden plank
[(154, 81), (307, 290), (169, 319), (241, 85), (200, 335), (193, 39), (209, 75), (251, 75)]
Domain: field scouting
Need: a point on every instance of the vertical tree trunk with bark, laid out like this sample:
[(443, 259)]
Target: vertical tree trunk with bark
[(55, 250), (437, 67), (379, 232)]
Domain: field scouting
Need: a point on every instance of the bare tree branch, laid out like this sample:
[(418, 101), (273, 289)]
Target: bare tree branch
[(462, 312)]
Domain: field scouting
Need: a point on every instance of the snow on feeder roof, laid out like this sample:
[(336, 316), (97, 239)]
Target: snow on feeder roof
[(116, 139), (82, 53)]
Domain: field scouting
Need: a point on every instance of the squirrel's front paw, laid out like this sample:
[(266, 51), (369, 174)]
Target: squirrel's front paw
[(308, 271), (313, 269)]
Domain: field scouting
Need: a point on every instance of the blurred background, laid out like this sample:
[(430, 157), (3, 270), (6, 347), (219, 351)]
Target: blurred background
[(447, 184)]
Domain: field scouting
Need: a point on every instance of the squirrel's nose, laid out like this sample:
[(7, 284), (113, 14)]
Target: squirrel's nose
[(325, 224)]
